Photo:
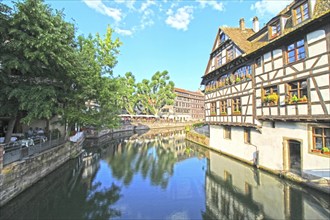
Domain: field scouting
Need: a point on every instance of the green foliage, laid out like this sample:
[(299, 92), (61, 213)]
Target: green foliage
[(46, 71), (37, 59), (199, 124), (325, 149), (157, 93), (96, 90), (294, 98), (127, 93)]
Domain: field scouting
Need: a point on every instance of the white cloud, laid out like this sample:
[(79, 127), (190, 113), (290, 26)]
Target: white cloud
[(146, 19), (147, 4), (100, 7), (129, 3), (181, 19), (124, 32), (269, 7), (214, 4)]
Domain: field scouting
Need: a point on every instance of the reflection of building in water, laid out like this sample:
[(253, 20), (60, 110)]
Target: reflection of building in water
[(172, 140), (237, 191), (91, 164)]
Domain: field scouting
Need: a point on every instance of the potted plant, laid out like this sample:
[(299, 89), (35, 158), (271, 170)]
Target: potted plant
[(294, 99), (325, 150), (232, 79), (303, 99), (238, 79), (265, 100), (273, 98), (237, 112)]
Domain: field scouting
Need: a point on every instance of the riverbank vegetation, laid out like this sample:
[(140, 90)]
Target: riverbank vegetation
[(46, 70)]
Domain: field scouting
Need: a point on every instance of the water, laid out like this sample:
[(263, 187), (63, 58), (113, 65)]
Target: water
[(159, 175)]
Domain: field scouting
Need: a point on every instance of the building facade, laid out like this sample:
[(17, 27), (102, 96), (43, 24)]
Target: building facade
[(188, 106), (267, 96)]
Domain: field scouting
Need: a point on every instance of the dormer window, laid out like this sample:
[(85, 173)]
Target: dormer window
[(275, 29), (223, 38), (301, 13)]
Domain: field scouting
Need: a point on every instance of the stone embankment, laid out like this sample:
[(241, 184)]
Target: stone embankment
[(18, 176)]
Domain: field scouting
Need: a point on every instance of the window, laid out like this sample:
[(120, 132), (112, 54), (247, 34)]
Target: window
[(297, 92), (230, 54), (223, 38), (213, 108), (321, 138), (228, 177), (227, 132), (236, 106), (258, 62), (223, 107), (296, 51), (243, 73), (270, 95), (247, 135), (301, 13), (275, 29), (221, 59), (248, 190)]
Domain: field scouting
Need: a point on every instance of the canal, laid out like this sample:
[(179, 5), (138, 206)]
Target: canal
[(160, 175)]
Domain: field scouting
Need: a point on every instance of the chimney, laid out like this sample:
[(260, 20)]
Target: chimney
[(241, 24), (255, 24)]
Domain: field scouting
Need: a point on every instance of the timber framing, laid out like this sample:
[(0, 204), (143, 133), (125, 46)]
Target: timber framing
[(271, 67)]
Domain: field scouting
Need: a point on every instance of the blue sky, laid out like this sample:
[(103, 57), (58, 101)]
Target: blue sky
[(172, 35)]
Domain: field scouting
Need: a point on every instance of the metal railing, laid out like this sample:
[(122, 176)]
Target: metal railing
[(14, 153)]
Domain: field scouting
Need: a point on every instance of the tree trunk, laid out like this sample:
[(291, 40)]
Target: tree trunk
[(10, 129)]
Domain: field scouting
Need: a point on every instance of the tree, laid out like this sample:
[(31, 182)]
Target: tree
[(157, 93), (46, 71), (37, 58), (127, 93), (96, 85)]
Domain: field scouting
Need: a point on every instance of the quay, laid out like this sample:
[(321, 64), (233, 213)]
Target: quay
[(19, 175)]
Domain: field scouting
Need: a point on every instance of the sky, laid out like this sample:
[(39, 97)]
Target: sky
[(158, 35)]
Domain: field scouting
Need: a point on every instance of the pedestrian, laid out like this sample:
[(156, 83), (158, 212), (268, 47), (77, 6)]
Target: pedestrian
[(30, 132)]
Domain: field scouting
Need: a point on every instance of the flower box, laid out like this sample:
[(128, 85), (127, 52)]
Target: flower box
[(237, 113)]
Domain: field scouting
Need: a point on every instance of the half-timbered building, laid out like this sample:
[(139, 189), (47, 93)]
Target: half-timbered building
[(267, 96)]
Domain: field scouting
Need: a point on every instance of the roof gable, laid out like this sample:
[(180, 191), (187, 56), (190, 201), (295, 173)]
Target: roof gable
[(239, 37)]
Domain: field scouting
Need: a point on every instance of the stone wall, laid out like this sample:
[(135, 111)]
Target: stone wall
[(18, 176)]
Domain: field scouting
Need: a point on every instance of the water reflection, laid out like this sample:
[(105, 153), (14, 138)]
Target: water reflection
[(160, 175), (237, 191), (64, 194), (152, 155)]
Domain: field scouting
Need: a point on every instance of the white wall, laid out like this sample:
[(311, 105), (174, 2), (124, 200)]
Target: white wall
[(234, 146), (269, 143)]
